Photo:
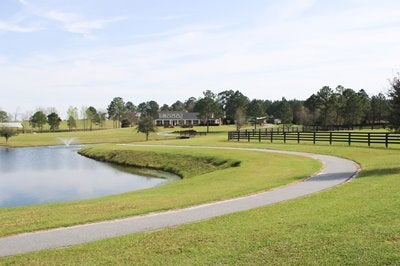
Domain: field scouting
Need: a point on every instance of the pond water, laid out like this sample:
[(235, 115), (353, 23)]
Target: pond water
[(54, 174)]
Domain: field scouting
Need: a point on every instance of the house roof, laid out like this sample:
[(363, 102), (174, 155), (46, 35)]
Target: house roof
[(190, 116), (182, 115)]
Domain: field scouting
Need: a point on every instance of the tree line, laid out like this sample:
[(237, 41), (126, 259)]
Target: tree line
[(327, 107)]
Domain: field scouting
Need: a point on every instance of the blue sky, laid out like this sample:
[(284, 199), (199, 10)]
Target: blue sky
[(57, 53)]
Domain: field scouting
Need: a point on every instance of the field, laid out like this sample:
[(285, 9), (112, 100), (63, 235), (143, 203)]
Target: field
[(80, 125), (121, 135), (81, 137), (356, 223)]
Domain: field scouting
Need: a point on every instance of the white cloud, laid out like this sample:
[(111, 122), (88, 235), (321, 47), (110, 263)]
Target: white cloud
[(71, 22), (294, 8), (11, 27), (76, 24), (172, 17)]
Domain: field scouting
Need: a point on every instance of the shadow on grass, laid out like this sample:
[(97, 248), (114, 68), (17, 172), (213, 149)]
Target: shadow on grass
[(363, 174), (379, 172), (330, 177)]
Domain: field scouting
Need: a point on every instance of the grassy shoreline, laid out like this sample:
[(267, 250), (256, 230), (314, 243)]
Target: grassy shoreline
[(184, 166), (208, 176)]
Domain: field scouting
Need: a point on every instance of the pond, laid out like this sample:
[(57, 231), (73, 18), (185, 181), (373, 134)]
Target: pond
[(55, 174)]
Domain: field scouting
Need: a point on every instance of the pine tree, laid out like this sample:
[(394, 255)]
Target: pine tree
[(146, 125), (394, 101), (54, 121), (38, 119)]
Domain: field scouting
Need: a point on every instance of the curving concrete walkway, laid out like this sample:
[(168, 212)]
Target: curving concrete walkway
[(335, 172)]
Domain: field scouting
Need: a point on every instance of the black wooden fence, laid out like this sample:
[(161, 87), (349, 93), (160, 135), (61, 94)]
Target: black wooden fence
[(329, 137)]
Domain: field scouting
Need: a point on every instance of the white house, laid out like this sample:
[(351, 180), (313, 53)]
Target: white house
[(180, 118), (175, 118)]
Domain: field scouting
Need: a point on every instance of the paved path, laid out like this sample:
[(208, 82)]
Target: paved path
[(335, 172)]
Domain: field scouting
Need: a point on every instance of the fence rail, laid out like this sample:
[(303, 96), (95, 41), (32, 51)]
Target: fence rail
[(330, 137)]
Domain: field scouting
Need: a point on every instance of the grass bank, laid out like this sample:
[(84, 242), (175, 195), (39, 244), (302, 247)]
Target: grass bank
[(183, 165), (121, 135), (208, 176), (353, 224)]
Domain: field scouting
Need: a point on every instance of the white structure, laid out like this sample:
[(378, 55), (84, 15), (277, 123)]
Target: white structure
[(174, 118), (180, 118), (17, 125)]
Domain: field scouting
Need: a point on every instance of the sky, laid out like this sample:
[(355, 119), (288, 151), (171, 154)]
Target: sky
[(61, 53)]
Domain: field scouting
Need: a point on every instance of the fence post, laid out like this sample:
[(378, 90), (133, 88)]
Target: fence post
[(272, 135), (298, 136), (266, 134), (349, 138), (330, 138), (259, 135), (387, 140), (248, 136), (314, 137), (369, 139), (238, 135), (284, 137)]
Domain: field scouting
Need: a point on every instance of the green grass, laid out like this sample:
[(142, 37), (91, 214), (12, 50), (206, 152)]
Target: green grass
[(207, 177), (183, 165), (354, 224), (121, 135), (125, 135)]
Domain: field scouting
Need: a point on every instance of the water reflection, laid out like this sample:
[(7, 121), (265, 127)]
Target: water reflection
[(54, 174)]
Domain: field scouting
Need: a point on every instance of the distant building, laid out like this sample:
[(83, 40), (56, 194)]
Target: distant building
[(180, 118), (16, 125), (175, 118), (277, 121)]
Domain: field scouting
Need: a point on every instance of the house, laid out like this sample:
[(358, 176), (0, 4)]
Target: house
[(181, 118), (175, 118)]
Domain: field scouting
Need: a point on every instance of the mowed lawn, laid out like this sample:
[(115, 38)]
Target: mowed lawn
[(356, 223), (117, 135), (80, 137)]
